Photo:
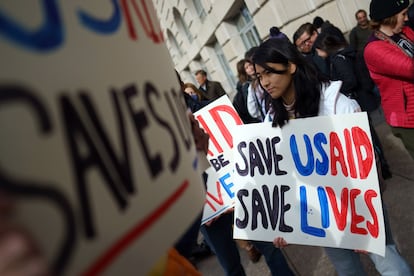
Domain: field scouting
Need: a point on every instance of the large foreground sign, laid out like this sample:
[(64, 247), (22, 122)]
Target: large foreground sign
[(313, 182), (95, 143)]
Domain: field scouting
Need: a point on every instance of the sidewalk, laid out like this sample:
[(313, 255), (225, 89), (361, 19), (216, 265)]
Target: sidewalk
[(399, 195)]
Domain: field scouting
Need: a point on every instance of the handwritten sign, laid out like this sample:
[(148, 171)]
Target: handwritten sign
[(313, 182), (95, 146), (217, 119)]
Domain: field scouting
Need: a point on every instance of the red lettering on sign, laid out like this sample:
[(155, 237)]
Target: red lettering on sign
[(340, 215), (146, 23), (337, 154), (361, 141), (356, 218), (135, 233), (218, 200), (373, 228)]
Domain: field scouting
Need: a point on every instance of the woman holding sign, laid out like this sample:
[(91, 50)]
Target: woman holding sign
[(298, 91)]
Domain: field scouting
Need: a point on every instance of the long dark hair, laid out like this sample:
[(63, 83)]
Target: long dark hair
[(307, 82), (329, 43)]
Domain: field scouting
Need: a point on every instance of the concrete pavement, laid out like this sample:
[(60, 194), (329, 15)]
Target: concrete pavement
[(398, 197)]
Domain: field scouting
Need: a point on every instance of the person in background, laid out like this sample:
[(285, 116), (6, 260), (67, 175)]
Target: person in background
[(298, 91), (212, 90), (389, 57), (240, 104), (258, 101), (342, 60), (198, 99), (217, 233), (274, 32), (193, 91), (358, 36), (317, 23), (303, 38), (187, 244), (240, 99)]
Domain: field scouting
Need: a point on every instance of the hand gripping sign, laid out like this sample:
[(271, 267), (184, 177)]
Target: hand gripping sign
[(95, 145), (312, 182), (218, 119)]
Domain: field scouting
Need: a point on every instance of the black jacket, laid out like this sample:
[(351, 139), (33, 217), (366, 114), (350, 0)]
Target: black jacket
[(213, 90), (350, 68)]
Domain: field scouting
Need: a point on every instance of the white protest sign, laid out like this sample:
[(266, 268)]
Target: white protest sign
[(217, 119), (95, 143), (312, 182)]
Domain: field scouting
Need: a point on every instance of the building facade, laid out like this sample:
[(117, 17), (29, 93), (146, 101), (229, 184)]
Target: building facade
[(214, 34)]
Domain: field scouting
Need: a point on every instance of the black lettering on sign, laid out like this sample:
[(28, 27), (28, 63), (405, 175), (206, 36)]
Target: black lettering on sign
[(78, 135), (32, 189), (268, 206), (264, 157), (90, 149), (150, 90)]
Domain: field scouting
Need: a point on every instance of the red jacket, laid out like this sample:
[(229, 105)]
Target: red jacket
[(393, 72)]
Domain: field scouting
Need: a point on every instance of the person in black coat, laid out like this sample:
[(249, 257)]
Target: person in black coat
[(356, 82), (211, 89)]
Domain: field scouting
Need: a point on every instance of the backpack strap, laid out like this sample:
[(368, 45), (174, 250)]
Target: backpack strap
[(380, 35)]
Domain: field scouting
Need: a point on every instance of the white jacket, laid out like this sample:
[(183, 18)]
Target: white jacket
[(332, 102), (255, 106)]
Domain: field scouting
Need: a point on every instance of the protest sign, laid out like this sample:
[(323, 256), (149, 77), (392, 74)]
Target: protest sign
[(217, 119), (312, 182), (96, 147)]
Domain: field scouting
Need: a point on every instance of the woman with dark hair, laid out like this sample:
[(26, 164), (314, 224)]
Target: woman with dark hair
[(240, 99), (298, 91), (341, 61)]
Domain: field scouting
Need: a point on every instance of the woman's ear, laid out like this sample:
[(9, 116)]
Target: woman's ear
[(292, 68)]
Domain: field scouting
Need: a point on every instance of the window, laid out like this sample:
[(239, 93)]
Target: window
[(247, 29), (201, 12), (182, 26), (174, 44), (224, 64)]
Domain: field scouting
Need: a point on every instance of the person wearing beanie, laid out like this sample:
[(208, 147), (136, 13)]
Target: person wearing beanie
[(318, 22), (389, 56), (274, 32)]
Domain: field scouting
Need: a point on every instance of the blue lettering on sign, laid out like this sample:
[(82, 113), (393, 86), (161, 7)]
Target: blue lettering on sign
[(227, 186), (321, 167), (307, 169), (99, 25), (51, 34), (304, 219), (323, 202), (47, 37)]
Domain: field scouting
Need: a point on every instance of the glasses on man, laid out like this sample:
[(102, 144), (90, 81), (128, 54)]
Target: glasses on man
[(305, 41)]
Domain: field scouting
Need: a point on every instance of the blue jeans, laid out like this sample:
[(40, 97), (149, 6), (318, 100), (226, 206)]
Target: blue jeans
[(274, 258), (219, 236), (347, 261)]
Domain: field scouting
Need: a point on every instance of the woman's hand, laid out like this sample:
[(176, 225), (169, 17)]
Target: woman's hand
[(361, 251), (201, 138), (19, 253), (280, 242)]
